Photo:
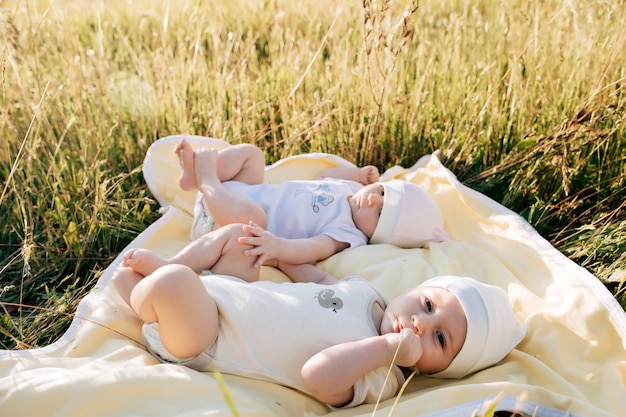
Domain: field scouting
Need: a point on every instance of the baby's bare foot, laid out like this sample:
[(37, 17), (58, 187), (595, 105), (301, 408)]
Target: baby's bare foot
[(185, 154), (206, 166), (143, 261), (124, 280)]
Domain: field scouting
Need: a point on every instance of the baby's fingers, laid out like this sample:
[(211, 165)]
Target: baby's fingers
[(373, 174), (253, 229), (257, 242), (247, 240), (370, 174), (260, 260), (258, 253), (410, 349)]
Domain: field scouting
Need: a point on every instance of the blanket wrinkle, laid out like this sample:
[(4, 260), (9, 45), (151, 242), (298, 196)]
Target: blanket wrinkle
[(572, 361)]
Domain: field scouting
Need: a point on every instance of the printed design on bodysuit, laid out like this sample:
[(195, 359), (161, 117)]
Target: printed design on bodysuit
[(319, 195), (326, 300)]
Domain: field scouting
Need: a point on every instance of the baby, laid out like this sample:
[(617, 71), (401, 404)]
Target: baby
[(335, 340), (308, 221)]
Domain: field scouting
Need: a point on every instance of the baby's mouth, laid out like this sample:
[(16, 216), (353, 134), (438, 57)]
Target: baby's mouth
[(398, 326)]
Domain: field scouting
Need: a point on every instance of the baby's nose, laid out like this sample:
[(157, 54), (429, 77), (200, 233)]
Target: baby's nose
[(420, 325)]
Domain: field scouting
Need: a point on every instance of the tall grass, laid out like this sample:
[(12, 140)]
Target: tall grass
[(526, 101)]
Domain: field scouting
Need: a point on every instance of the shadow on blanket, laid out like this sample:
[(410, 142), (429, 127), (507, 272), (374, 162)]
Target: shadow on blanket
[(571, 363)]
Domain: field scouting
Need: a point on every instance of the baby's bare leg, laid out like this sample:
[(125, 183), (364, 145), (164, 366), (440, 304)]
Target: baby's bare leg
[(242, 162), (232, 260), (175, 297), (124, 280), (226, 206), (217, 251)]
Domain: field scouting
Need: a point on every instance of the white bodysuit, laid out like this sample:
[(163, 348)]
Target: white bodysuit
[(300, 209), (269, 330)]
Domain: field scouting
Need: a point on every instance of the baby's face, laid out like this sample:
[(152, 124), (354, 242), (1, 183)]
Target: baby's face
[(436, 317), (366, 205)]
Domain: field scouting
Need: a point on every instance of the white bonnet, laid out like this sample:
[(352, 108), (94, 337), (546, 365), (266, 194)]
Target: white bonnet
[(493, 329), (410, 218)]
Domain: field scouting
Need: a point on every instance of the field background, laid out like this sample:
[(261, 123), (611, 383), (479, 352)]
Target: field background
[(525, 100)]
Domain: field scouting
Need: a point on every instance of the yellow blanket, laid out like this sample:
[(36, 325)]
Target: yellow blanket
[(572, 361)]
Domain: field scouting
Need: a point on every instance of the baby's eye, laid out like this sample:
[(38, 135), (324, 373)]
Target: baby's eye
[(382, 191), (442, 340), (429, 305)]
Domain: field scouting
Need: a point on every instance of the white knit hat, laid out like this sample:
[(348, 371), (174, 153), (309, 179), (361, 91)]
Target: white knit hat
[(493, 329), (410, 218)]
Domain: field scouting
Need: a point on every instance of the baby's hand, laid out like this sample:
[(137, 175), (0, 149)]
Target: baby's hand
[(408, 346), (368, 175), (266, 245)]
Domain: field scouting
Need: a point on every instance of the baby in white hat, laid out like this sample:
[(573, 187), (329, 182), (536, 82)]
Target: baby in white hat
[(340, 341), (300, 222), (447, 327)]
